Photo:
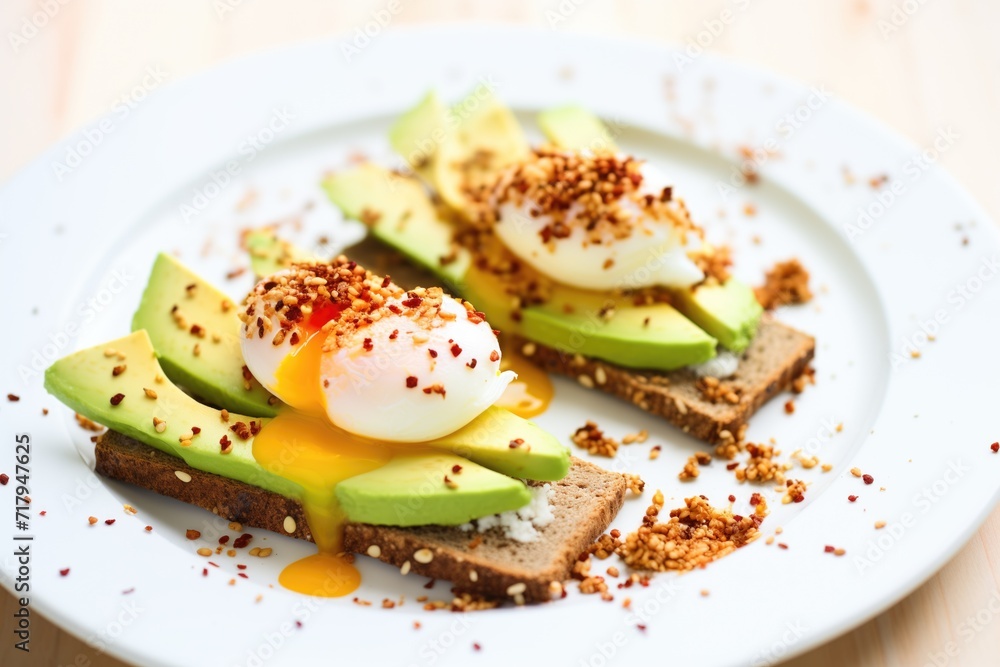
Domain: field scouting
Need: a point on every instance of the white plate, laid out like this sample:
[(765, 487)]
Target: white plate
[(76, 253)]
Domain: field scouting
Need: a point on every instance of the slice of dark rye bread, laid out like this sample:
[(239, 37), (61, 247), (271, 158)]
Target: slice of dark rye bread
[(777, 355), (584, 504)]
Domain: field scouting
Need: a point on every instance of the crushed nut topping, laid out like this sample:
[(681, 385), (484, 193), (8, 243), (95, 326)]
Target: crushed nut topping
[(694, 536), (787, 283), (592, 438)]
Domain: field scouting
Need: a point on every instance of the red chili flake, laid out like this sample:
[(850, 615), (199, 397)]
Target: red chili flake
[(755, 499), (456, 350), (782, 545), (868, 479), (789, 407), (241, 566), (149, 529), (196, 430), (394, 335), (13, 398), (494, 356), (4, 478), (109, 521), (995, 447), (732, 466), (472, 364), (242, 540), (852, 498), (213, 564), (118, 370), (223, 539), (367, 344), (516, 442), (476, 646), (242, 574), (386, 281), (413, 301), (197, 330), (117, 398), (63, 573), (128, 591), (42, 513), (456, 468), (732, 498), (430, 584), (641, 627), (255, 427), (433, 353), (411, 382), (225, 442), (828, 549), (204, 571)]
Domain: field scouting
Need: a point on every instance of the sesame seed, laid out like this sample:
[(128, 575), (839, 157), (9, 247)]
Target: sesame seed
[(289, 525), (423, 556), (517, 589), (183, 476), (374, 551), (405, 569)]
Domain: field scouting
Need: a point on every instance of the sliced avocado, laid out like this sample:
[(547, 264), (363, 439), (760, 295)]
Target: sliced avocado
[(730, 311), (424, 489), (86, 382), (575, 128), (417, 134), (408, 222), (461, 147), (269, 253), (389, 202), (654, 336), (508, 444), (180, 310)]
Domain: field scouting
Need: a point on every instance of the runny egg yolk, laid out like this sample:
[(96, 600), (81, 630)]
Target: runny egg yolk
[(531, 393), (302, 445)]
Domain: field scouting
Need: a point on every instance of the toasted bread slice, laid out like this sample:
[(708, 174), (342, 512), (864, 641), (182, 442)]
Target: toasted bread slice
[(777, 355), (584, 504)]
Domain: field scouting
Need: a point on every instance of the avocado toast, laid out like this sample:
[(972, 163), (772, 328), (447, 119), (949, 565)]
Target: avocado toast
[(583, 256), (278, 465)]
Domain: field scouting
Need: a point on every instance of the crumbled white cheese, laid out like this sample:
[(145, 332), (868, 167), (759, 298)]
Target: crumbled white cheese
[(520, 525), (723, 365)]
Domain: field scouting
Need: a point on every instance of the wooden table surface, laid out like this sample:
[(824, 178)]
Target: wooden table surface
[(914, 64)]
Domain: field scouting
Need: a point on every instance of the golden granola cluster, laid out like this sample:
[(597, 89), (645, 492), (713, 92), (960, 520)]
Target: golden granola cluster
[(785, 284), (694, 536)]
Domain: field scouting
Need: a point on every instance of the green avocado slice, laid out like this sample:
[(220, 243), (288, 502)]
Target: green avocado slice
[(175, 301), (85, 382), (730, 311), (409, 490), (460, 147), (501, 441), (575, 128), (269, 253), (405, 219)]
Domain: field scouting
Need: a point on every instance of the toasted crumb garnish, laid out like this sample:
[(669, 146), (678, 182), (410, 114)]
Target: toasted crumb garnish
[(592, 439), (787, 283), (694, 536)]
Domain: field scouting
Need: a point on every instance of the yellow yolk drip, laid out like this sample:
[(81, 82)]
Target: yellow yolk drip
[(531, 393), (301, 445)]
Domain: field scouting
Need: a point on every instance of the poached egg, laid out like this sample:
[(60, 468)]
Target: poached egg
[(333, 340), (596, 221)]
